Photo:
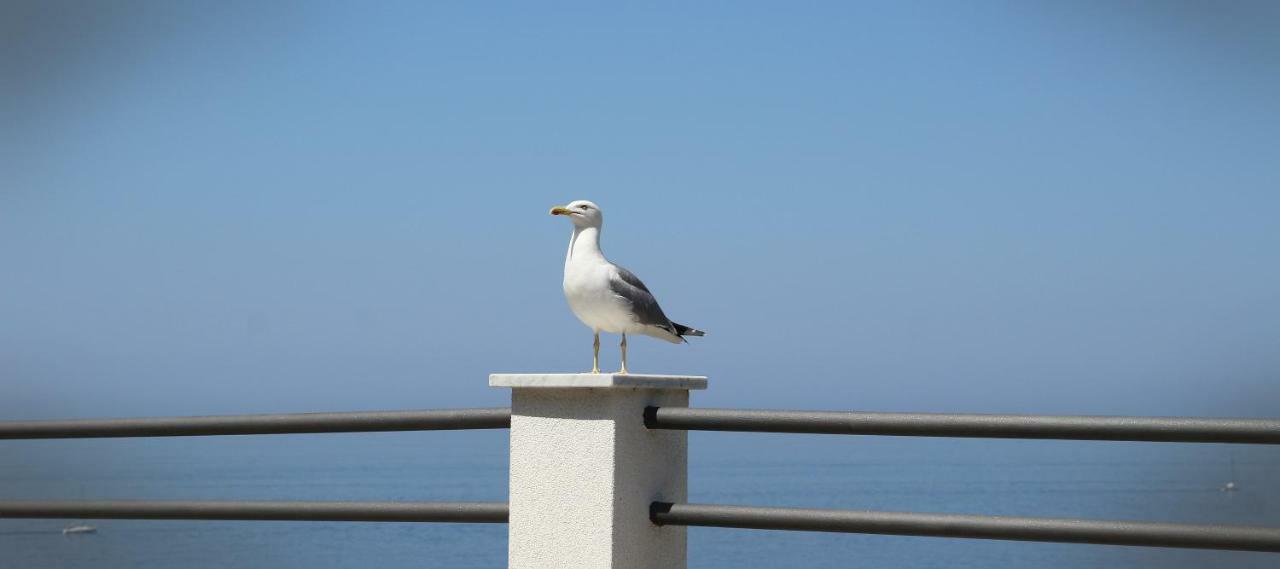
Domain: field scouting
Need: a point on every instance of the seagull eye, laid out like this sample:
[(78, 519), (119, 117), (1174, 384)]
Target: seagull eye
[(584, 207)]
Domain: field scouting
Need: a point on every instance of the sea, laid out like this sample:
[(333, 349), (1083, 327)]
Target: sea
[(1099, 480)]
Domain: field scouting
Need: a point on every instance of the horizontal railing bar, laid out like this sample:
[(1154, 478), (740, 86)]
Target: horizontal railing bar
[(1057, 530), (457, 512), (266, 424), (1096, 428)]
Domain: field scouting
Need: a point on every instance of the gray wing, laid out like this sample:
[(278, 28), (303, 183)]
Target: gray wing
[(643, 304)]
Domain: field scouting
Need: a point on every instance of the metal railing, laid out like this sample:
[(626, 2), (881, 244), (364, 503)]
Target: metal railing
[(965, 425), (454, 512), (1054, 530), (266, 424), (1095, 428), (262, 424), (1155, 429)]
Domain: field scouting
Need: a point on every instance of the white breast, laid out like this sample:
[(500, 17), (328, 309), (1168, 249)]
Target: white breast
[(586, 287)]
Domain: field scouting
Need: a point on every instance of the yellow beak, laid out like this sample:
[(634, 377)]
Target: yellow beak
[(558, 210)]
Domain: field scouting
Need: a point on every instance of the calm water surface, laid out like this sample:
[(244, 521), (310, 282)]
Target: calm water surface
[(1096, 480)]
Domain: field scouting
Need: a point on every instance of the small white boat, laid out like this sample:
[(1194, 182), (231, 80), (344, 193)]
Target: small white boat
[(1230, 486), (79, 529)]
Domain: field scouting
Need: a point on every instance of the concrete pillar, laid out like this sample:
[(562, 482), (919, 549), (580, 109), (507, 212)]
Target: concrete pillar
[(584, 470)]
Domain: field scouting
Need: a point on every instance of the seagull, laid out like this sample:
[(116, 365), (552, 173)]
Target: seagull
[(604, 296)]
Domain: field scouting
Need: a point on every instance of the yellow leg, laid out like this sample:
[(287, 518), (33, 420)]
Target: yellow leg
[(624, 354), (595, 355)]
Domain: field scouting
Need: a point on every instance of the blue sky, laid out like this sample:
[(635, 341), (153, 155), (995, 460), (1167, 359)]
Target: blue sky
[(984, 207)]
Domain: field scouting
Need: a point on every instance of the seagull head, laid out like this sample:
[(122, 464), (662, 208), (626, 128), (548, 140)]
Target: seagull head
[(581, 212)]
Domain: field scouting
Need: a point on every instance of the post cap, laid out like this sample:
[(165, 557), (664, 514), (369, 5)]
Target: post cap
[(597, 380)]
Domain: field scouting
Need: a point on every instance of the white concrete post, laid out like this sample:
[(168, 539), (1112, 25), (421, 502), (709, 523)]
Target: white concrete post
[(584, 470)]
